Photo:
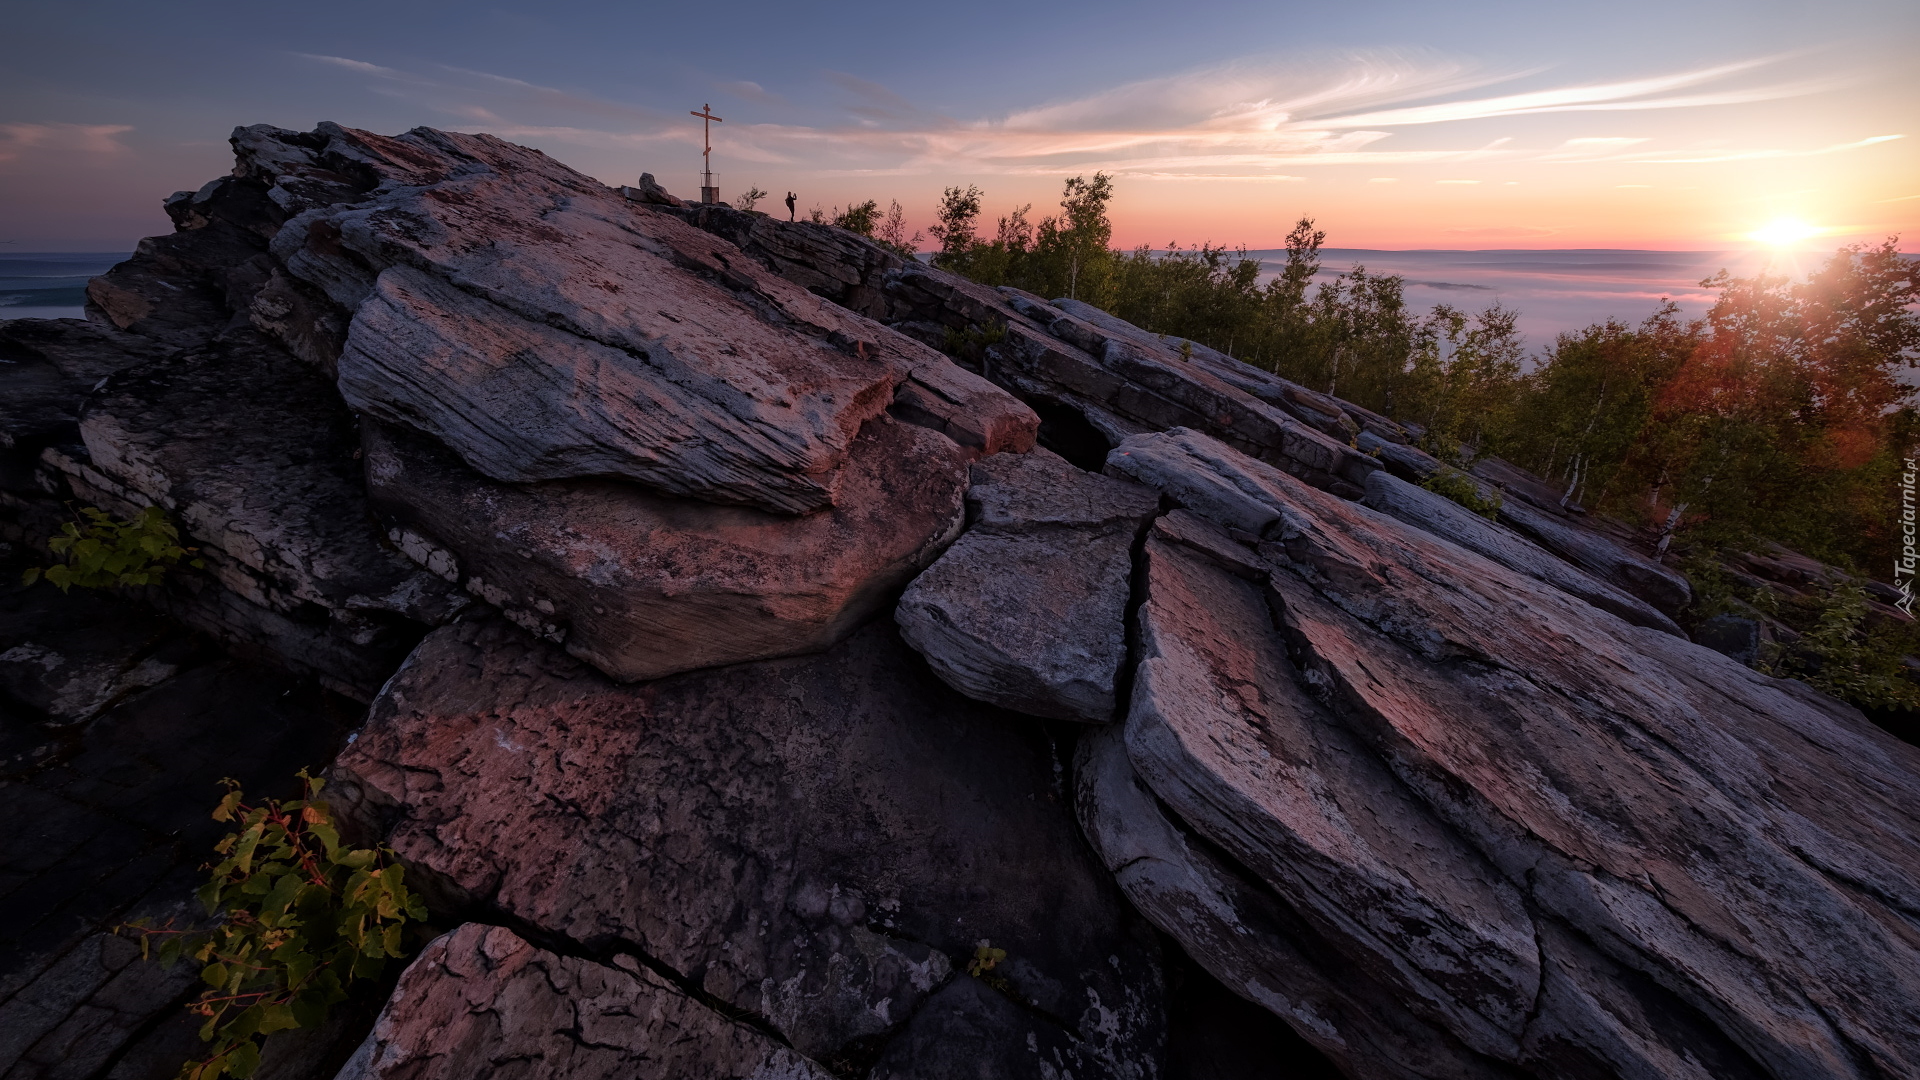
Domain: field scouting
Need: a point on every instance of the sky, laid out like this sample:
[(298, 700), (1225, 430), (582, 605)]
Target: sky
[(1673, 125)]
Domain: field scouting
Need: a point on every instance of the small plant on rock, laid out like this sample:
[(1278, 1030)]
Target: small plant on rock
[(101, 553), (302, 918), (1845, 655), (985, 959), (1459, 487)]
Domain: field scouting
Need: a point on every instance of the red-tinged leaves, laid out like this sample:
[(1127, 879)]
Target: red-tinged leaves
[(302, 919)]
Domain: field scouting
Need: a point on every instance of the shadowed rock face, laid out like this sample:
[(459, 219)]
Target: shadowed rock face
[(820, 842), (1561, 842)]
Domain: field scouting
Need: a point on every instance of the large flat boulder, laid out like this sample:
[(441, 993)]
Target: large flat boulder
[(1027, 610), (819, 843), (643, 585), (543, 327), (482, 1001), (1569, 844)]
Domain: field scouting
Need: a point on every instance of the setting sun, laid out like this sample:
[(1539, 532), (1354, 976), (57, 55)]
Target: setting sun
[(1783, 231)]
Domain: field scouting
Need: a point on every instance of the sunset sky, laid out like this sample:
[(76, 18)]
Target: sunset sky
[(1631, 124)]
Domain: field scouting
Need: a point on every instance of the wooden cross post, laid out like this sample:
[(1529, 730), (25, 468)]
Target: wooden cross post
[(708, 193)]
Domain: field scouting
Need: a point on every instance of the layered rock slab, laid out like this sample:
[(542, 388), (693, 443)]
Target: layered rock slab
[(1715, 870), (643, 585), (1094, 378), (1027, 609), (252, 454), (822, 841), (1449, 520), (544, 327), (481, 1001)]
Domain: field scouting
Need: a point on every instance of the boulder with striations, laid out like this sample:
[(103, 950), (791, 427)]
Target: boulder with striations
[(1564, 844)]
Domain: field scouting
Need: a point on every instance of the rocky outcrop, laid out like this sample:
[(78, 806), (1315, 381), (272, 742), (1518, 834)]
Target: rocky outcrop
[(1026, 611), (819, 843), (634, 488), (1093, 379), (1560, 842), (543, 327)]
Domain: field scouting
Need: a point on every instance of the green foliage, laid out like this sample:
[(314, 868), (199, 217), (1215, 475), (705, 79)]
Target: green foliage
[(1063, 255), (1845, 654), (985, 959), (892, 231), (750, 198), (304, 917), (1462, 489), (102, 553), (858, 217), (972, 343)]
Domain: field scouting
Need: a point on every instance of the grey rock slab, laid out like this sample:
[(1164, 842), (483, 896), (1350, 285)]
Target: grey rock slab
[(1112, 376), (631, 343), (1718, 868), (253, 455), (1221, 731), (1449, 520), (1026, 610), (1201, 474), (642, 585), (1600, 556), (1243, 934), (481, 1001), (819, 841)]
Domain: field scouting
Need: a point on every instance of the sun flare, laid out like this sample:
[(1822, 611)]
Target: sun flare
[(1783, 231)]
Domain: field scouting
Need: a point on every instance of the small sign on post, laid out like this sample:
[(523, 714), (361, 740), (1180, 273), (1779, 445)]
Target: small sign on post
[(708, 193)]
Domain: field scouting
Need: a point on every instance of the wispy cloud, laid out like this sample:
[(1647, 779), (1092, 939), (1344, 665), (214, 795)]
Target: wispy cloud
[(19, 141), (1259, 118)]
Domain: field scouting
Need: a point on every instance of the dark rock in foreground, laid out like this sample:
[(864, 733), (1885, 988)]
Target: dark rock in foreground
[(820, 843)]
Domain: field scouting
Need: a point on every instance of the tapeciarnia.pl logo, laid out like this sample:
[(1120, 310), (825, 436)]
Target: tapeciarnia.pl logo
[(1903, 567)]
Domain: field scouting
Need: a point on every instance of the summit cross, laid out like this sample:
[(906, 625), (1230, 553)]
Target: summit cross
[(708, 193)]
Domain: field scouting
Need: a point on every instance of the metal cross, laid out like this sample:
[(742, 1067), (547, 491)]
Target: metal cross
[(708, 193)]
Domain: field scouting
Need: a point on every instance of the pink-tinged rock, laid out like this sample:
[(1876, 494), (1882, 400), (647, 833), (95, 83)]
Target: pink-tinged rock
[(817, 842), (1714, 870), (642, 585), (544, 327), (482, 1001)]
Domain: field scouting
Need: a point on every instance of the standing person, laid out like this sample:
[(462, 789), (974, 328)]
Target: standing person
[(790, 198)]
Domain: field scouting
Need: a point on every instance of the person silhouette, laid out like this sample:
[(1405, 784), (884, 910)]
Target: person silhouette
[(790, 199)]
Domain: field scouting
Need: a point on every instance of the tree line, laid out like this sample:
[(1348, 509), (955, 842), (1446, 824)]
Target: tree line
[(1782, 414)]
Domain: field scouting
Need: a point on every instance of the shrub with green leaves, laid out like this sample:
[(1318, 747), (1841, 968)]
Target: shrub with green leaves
[(1459, 487), (1844, 654), (302, 917), (101, 553)]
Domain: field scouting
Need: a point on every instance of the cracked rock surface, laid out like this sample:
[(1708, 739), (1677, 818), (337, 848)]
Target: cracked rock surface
[(1562, 843), (821, 842), (481, 1001), (1026, 610)]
